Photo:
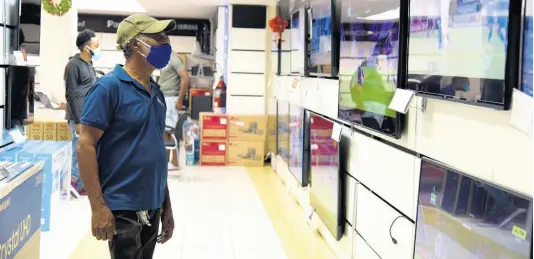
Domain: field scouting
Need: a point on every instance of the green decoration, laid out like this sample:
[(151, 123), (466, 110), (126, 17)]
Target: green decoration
[(57, 9)]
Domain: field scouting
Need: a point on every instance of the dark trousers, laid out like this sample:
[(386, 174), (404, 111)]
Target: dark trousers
[(134, 240)]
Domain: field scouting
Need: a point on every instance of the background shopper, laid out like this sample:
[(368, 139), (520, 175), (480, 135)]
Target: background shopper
[(79, 77), (121, 150), (174, 82)]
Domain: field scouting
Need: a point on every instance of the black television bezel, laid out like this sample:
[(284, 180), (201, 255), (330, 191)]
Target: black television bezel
[(511, 69), (402, 64), (335, 12), (341, 192), (449, 168)]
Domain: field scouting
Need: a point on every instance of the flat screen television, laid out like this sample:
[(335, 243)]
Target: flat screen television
[(19, 92), (327, 180), (30, 26), (323, 45), (298, 42), (283, 130), (299, 144), (465, 50), (369, 64), (459, 216), (526, 82)]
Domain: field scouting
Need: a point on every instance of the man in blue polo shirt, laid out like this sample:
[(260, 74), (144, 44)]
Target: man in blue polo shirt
[(121, 151)]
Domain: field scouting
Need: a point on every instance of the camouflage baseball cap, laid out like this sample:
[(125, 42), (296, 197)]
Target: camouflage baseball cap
[(136, 24)]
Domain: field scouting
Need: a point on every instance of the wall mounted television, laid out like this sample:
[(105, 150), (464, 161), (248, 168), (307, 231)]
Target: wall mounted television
[(298, 38), (323, 60), (299, 144), (327, 179), (282, 132), (371, 54), (19, 96), (459, 216), (30, 26), (526, 82), (465, 50)]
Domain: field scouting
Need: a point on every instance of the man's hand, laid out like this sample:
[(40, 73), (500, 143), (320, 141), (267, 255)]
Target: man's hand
[(179, 104), (103, 224), (167, 226)]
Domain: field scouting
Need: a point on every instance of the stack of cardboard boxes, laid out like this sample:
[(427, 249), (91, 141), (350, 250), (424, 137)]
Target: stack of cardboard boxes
[(236, 140), (49, 131)]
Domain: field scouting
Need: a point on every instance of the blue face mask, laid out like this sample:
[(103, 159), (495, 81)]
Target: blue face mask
[(158, 56)]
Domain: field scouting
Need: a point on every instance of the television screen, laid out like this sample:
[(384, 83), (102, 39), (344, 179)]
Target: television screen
[(368, 64), (320, 62), (297, 124), (458, 48), (298, 42), (283, 130), (30, 26), (526, 85), (461, 217), (327, 188)]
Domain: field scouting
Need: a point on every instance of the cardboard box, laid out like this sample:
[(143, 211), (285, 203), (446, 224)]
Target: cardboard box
[(213, 153), (247, 128), (272, 124), (63, 131), (214, 127), (50, 131), (246, 153), (35, 131), (20, 211), (271, 147)]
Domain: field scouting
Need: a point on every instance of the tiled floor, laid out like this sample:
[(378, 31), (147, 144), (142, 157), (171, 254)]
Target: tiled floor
[(230, 212)]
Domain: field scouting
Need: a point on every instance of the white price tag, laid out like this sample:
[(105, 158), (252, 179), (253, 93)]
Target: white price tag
[(295, 84), (401, 100), (314, 147), (521, 112), (17, 136), (222, 147), (240, 123), (223, 121), (336, 132)]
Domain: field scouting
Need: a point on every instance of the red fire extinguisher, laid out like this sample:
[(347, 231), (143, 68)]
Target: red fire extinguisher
[(219, 97)]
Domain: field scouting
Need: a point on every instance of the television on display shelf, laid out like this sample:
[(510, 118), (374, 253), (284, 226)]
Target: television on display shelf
[(298, 38), (323, 59), (29, 35), (371, 44), (459, 216), (466, 51), (526, 69), (299, 144), (327, 195), (282, 132)]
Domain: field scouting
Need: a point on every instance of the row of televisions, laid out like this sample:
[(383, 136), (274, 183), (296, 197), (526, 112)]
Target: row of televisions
[(468, 51), (458, 216)]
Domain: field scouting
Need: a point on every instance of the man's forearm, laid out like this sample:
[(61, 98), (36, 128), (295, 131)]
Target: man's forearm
[(167, 199), (89, 172), (183, 89)]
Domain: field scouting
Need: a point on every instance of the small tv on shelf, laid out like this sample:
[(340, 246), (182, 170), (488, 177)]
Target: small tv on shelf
[(459, 216), (298, 42), (282, 125), (299, 144), (369, 63), (327, 196), (526, 82), (323, 40), (465, 50)]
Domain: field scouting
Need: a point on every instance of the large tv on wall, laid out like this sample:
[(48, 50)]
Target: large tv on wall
[(299, 144), (459, 216), (465, 50), (30, 26), (370, 57), (327, 179), (526, 69), (324, 41), (283, 130), (298, 39)]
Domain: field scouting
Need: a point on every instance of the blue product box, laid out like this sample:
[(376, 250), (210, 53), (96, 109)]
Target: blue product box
[(57, 157), (20, 214)]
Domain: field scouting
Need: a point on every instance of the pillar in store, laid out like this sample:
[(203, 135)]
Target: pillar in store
[(58, 44)]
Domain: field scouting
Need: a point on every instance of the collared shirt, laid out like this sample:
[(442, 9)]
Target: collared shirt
[(132, 160)]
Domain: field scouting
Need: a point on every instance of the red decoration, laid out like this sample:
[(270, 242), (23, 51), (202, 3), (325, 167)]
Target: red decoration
[(278, 25)]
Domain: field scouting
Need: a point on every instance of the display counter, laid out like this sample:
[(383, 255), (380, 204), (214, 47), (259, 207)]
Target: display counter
[(20, 209)]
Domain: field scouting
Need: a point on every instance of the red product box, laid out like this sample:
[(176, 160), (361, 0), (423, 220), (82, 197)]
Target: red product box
[(214, 126), (213, 153)]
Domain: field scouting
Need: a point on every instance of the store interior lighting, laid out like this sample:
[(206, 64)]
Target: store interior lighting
[(122, 6)]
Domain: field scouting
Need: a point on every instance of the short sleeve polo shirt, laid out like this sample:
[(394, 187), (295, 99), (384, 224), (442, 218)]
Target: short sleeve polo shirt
[(132, 160)]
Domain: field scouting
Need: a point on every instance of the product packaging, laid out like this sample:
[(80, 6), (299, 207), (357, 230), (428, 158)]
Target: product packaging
[(246, 153), (247, 128)]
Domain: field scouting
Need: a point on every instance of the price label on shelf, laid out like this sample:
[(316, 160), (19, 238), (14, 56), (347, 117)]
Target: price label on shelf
[(401, 100), (336, 132), (17, 136), (521, 112), (295, 83)]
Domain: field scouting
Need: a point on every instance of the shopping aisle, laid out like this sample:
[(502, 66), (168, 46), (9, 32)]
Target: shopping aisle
[(230, 212)]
